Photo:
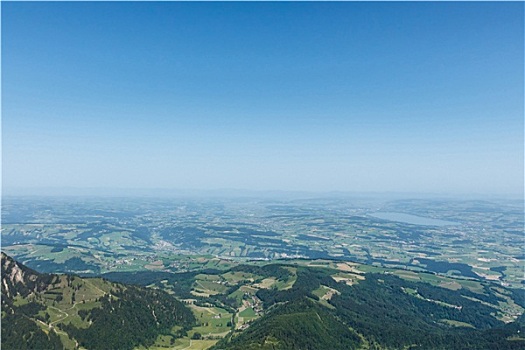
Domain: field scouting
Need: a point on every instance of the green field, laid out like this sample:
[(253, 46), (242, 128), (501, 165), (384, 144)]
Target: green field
[(248, 313)]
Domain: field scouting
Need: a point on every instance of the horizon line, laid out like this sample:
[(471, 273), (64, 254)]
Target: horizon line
[(52, 191)]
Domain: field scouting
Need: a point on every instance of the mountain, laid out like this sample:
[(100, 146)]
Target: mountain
[(19, 280), (47, 311), (19, 330)]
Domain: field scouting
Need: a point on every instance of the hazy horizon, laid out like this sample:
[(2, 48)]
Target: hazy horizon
[(308, 97), (117, 192)]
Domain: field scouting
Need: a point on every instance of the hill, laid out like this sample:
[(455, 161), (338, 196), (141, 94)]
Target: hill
[(382, 311), (299, 324), (47, 311), (321, 304)]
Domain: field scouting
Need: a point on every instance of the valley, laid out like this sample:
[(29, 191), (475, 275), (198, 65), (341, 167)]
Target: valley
[(93, 235), (261, 273)]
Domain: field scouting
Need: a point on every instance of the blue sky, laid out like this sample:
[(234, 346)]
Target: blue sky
[(417, 97)]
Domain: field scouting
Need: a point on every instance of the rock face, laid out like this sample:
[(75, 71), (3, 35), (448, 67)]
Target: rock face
[(20, 280)]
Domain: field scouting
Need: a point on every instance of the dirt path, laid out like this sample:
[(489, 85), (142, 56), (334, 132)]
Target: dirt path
[(62, 311), (60, 319), (58, 331), (187, 347)]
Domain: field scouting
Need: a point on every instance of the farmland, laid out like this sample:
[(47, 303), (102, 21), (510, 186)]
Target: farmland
[(471, 239)]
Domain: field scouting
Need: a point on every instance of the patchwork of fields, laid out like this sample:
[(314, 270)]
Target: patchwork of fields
[(468, 239)]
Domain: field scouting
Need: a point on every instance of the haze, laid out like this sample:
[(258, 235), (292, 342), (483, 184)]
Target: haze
[(419, 97)]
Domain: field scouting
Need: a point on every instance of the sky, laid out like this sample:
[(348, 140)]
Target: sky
[(340, 96)]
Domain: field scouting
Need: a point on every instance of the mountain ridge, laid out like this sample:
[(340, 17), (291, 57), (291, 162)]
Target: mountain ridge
[(41, 311)]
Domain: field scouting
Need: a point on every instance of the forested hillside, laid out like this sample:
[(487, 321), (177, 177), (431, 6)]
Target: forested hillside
[(45, 311), (380, 312)]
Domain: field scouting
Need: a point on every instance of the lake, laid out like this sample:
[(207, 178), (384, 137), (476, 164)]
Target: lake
[(412, 219)]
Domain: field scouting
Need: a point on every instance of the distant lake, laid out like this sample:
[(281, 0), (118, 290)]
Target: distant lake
[(411, 219)]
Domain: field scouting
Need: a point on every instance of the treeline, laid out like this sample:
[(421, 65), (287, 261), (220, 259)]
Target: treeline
[(181, 283), (271, 270)]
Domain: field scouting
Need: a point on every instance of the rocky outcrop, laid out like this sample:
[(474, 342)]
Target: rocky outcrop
[(18, 279)]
